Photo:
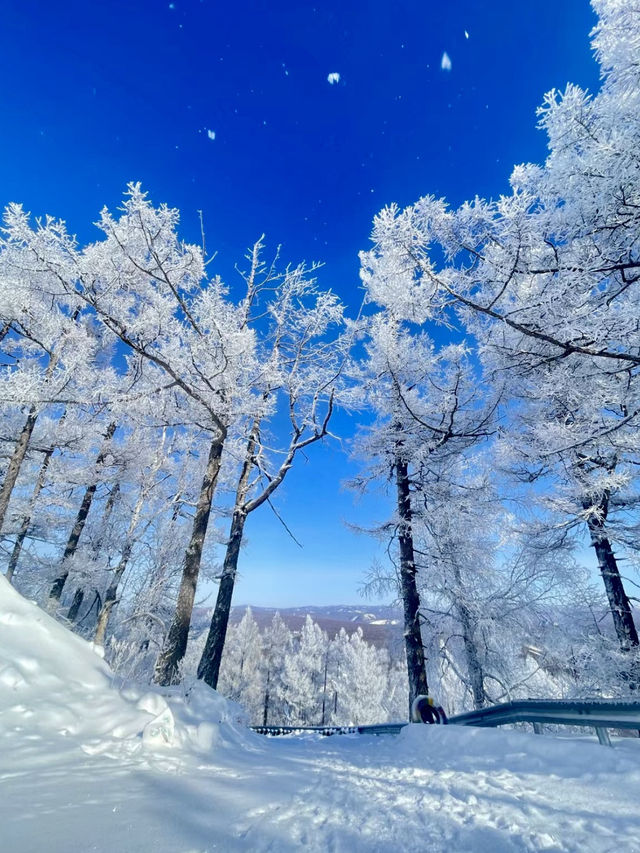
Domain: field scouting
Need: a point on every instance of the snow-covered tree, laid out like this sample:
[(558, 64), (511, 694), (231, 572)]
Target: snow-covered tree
[(545, 280), (303, 353), (360, 681), (241, 675), (304, 675), (430, 407)]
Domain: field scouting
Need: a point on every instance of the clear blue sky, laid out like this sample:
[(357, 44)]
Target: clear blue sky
[(95, 94)]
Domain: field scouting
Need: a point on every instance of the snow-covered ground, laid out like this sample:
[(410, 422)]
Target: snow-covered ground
[(87, 767)]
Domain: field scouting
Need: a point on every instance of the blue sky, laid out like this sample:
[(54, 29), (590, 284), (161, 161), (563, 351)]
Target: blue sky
[(95, 94)]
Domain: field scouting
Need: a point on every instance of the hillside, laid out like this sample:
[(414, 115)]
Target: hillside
[(381, 625)]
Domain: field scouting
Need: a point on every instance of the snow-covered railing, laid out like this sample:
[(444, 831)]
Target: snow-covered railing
[(600, 714), (381, 729), (299, 730)]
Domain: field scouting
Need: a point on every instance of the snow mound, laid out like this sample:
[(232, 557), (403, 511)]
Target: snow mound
[(519, 753), (53, 682)]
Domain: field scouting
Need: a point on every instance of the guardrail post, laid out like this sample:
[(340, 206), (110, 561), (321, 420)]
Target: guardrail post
[(603, 736), (537, 728)]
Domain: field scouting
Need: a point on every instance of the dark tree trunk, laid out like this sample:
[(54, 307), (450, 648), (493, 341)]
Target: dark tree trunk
[(15, 463), (110, 599), (408, 588), (76, 604), (72, 543), (474, 667), (618, 600), (265, 715), (22, 444), (209, 666), (26, 519), (78, 596), (175, 645), (111, 594), (78, 527), (324, 688)]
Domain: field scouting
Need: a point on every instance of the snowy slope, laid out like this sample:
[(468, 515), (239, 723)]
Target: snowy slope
[(54, 682), (87, 767)]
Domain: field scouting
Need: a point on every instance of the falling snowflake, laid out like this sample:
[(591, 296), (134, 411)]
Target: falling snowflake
[(445, 62), (211, 134), (466, 34), (334, 77)]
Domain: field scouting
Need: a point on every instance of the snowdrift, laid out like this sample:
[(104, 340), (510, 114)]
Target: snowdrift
[(457, 748), (54, 682)]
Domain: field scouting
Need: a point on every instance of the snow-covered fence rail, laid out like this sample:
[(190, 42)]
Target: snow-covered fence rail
[(381, 729), (299, 730), (600, 714)]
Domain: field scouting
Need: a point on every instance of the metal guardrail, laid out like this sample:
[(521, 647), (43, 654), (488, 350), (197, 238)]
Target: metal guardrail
[(605, 713), (600, 714)]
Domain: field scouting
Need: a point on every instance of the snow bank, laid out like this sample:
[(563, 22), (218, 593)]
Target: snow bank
[(54, 682), (457, 748)]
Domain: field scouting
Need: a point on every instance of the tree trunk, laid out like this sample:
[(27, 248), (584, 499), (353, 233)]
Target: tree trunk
[(474, 667), (72, 544), (408, 588), (323, 719), (22, 444), (78, 527), (209, 666), (161, 573), (76, 604), (175, 646), (78, 596), (111, 595), (26, 519), (17, 458), (618, 600), (4, 330), (265, 714)]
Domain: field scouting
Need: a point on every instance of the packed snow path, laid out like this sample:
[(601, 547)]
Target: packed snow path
[(87, 767), (431, 790)]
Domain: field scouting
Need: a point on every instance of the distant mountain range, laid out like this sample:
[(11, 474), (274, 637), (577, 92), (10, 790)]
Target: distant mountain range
[(380, 624)]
